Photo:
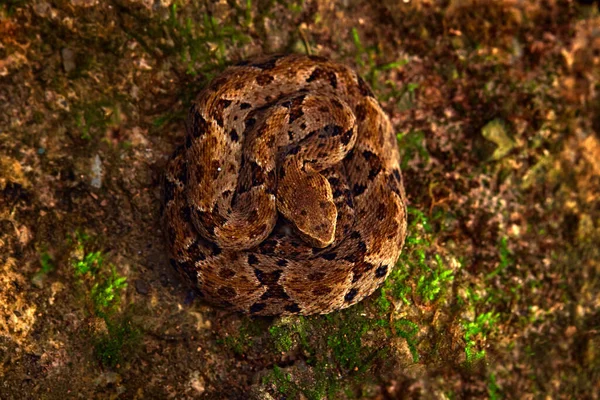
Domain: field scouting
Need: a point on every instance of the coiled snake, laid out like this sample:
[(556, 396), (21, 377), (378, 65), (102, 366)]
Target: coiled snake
[(287, 196)]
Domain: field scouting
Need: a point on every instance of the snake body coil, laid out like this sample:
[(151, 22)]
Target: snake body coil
[(287, 196)]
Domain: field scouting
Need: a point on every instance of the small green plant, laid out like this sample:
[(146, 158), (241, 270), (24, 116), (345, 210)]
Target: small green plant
[(202, 47), (404, 95), (90, 263), (96, 116), (412, 144), (103, 288), (285, 332), (121, 336), (415, 264), (394, 288), (346, 345), (46, 266), (106, 293), (295, 6), (432, 283), (408, 330), (477, 331), (505, 258), (238, 344), (316, 386), (242, 341), (46, 263), (370, 54), (493, 389), (283, 338)]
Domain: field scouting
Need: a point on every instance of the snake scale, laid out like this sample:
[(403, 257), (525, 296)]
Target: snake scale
[(287, 195)]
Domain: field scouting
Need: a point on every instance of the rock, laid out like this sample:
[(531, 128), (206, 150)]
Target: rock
[(68, 59), (141, 286), (496, 131), (97, 172)]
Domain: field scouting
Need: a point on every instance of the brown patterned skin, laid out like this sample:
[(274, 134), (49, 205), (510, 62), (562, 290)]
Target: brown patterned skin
[(287, 196)]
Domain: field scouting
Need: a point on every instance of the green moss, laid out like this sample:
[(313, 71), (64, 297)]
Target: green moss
[(493, 389), (366, 58), (284, 382), (505, 257), (46, 263), (317, 384), (408, 330), (202, 45), (46, 266), (288, 331), (243, 340), (430, 285), (102, 287), (96, 116), (165, 119), (121, 338), (238, 344), (90, 263), (412, 144), (105, 294), (346, 344), (477, 331), (11, 6), (417, 273)]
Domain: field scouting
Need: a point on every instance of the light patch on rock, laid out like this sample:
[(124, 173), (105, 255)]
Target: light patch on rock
[(496, 131), (97, 172)]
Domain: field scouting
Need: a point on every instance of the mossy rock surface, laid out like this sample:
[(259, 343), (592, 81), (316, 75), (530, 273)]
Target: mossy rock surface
[(497, 122)]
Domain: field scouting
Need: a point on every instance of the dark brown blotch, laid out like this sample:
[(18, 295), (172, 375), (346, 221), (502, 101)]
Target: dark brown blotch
[(197, 125), (234, 135), (331, 130), (292, 308), (322, 73), (381, 211), (363, 88), (169, 191), (315, 276), (361, 112), (347, 136), (268, 246), (267, 64), (381, 271), (252, 259), (257, 307), (321, 291), (215, 250), (252, 216), (257, 174), (359, 270), (295, 107), (336, 103), (215, 167), (227, 292), (226, 273), (358, 189), (350, 295), (282, 262), (264, 79), (394, 184), (329, 256), (249, 124)]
